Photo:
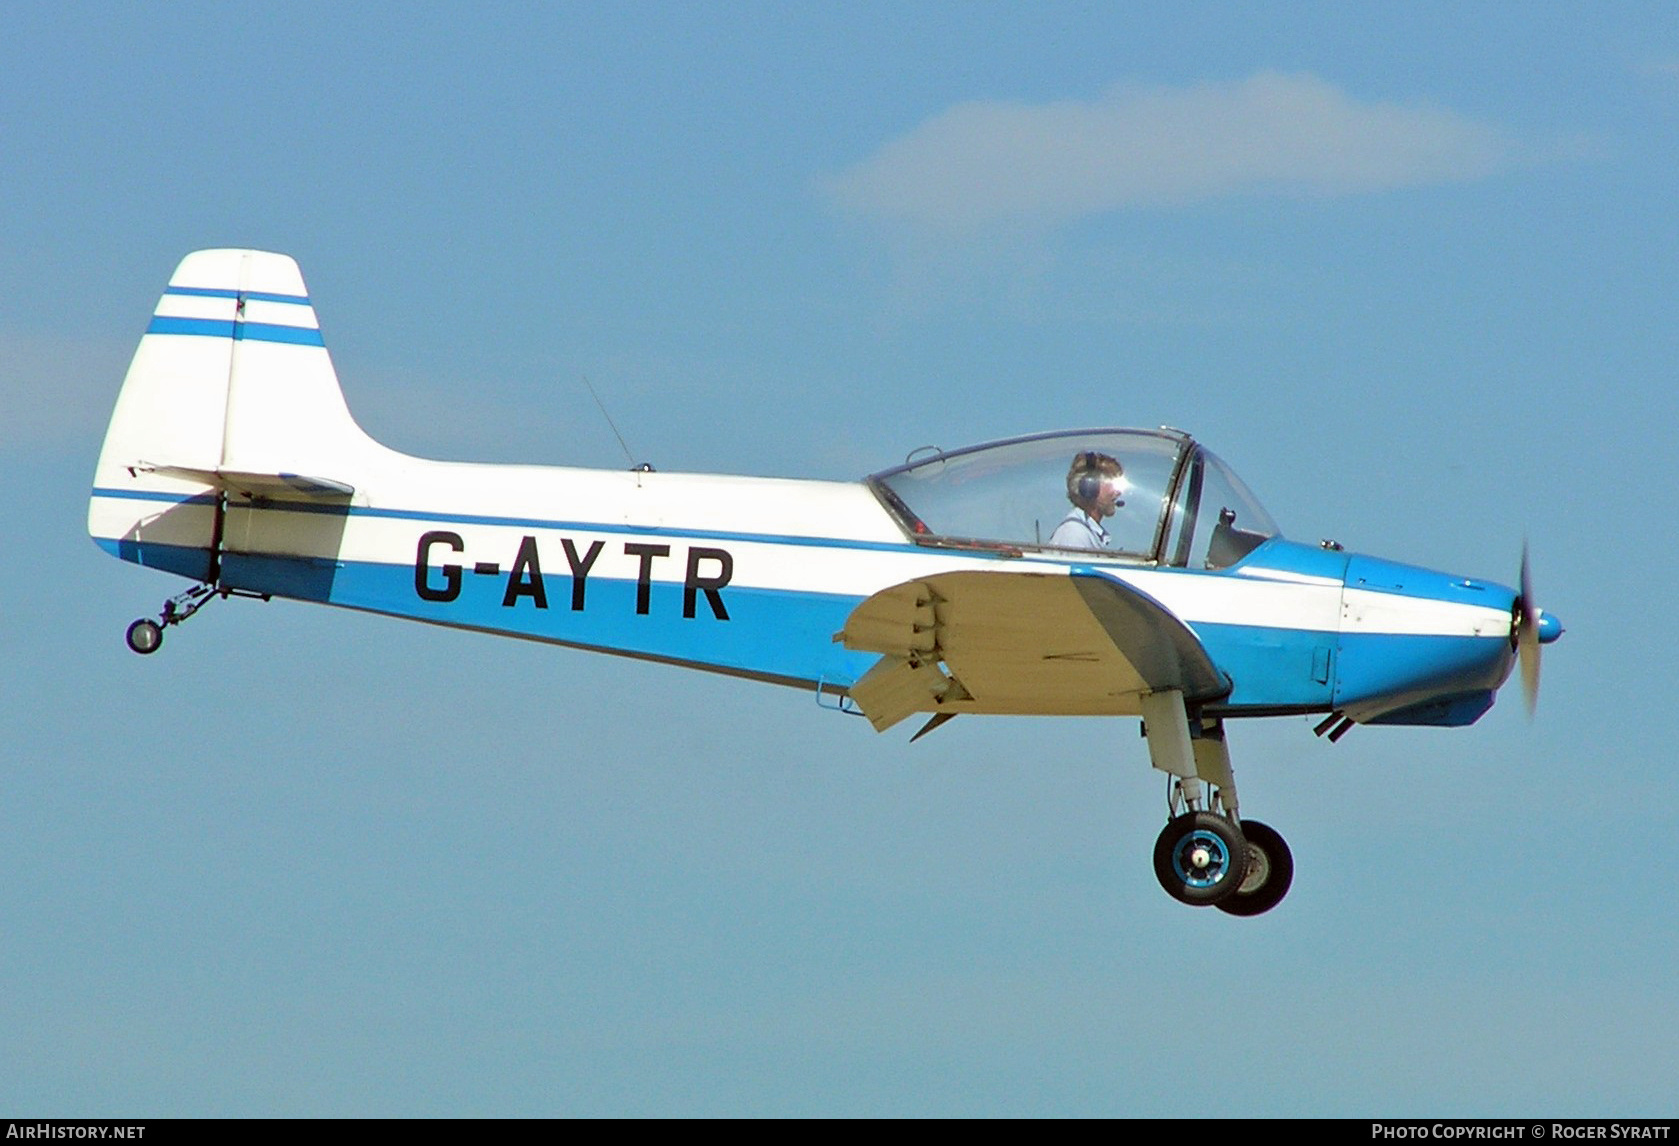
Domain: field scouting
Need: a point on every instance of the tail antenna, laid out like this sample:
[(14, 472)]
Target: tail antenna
[(638, 467)]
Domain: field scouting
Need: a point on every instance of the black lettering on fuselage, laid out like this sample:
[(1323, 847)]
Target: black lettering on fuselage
[(525, 578), (693, 584), (580, 569), (708, 570), (644, 578), (422, 567)]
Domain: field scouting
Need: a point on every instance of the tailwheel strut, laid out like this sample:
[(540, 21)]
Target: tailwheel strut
[(145, 636)]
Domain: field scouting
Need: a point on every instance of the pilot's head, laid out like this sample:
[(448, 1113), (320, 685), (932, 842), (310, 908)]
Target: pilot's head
[(1096, 483)]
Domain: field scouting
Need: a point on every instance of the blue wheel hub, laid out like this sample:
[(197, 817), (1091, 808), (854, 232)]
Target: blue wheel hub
[(1201, 859)]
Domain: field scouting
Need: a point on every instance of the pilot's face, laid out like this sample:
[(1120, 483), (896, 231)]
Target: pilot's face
[(1108, 496)]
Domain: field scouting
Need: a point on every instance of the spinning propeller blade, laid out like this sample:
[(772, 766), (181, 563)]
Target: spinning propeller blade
[(1526, 631)]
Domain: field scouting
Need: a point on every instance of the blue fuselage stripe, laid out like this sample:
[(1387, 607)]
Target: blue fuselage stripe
[(786, 633), (768, 632)]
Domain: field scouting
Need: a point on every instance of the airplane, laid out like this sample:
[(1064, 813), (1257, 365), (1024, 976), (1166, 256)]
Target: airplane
[(950, 585)]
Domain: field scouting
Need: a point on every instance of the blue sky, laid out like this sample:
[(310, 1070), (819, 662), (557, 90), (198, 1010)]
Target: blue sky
[(1412, 273)]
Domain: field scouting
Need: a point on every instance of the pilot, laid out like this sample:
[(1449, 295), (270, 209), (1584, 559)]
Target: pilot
[(1095, 485)]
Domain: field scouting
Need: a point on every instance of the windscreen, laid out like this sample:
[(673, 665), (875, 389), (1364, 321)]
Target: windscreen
[(1020, 492), (1216, 521)]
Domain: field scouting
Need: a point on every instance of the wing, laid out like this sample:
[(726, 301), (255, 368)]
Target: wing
[(1021, 643)]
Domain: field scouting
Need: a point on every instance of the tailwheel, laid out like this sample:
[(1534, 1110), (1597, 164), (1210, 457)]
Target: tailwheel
[(1270, 872), (1200, 858), (145, 636)]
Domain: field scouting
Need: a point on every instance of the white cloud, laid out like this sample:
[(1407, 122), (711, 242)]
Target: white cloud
[(981, 163)]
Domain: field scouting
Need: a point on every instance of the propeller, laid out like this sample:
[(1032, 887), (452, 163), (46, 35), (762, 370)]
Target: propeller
[(1525, 629)]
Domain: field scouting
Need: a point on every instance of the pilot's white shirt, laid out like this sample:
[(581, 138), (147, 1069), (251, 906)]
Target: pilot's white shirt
[(1078, 530)]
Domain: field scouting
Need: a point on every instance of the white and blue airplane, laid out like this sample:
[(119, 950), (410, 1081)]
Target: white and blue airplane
[(956, 583)]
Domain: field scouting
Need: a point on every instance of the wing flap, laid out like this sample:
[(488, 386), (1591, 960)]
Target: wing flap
[(897, 687)]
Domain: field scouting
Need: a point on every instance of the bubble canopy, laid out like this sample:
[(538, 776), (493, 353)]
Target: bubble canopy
[(1181, 505)]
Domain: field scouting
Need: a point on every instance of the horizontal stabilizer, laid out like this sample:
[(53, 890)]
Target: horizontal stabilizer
[(256, 486)]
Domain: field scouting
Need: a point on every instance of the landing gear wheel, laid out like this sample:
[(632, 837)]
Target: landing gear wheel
[(145, 636), (1200, 858), (1270, 871)]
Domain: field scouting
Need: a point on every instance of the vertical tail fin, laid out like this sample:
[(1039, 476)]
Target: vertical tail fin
[(231, 384)]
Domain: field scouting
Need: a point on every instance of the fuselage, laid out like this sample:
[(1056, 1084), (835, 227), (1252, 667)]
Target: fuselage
[(754, 576)]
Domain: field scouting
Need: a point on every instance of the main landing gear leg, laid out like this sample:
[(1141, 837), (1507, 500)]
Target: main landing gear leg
[(1205, 855)]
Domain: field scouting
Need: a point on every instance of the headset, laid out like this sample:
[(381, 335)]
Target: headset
[(1085, 479)]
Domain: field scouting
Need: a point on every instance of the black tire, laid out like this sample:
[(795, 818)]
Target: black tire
[(1200, 858), (145, 636), (1270, 872)]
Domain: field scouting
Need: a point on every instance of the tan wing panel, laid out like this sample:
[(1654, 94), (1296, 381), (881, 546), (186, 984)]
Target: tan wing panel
[(1023, 643)]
